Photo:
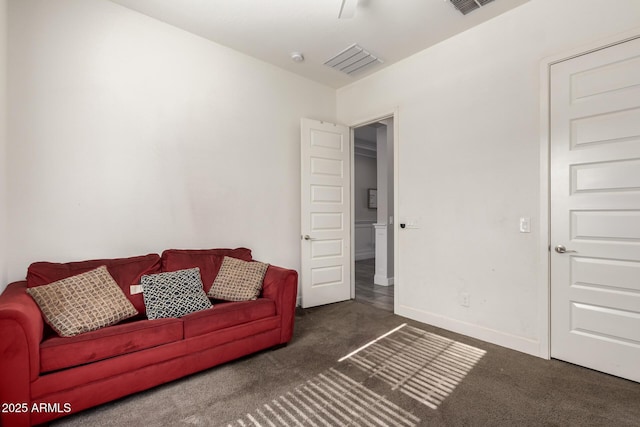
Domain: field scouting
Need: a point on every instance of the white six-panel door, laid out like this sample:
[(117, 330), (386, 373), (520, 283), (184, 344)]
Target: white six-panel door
[(326, 213), (595, 210)]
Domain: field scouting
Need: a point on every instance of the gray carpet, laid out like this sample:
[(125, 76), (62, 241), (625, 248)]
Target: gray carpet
[(417, 375)]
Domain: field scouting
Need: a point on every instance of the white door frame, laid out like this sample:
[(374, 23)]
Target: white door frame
[(544, 295), (373, 119)]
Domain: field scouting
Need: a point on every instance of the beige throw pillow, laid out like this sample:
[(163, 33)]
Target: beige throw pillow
[(238, 280), (82, 303)]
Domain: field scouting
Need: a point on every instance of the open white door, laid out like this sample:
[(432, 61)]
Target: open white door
[(326, 213), (595, 210)]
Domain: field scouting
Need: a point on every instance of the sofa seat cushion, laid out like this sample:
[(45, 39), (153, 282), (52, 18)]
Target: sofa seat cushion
[(227, 314), (59, 353)]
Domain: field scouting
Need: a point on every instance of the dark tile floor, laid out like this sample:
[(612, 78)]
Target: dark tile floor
[(369, 293)]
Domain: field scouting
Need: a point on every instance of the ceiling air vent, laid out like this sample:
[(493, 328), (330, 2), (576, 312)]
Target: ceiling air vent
[(466, 6), (353, 59)]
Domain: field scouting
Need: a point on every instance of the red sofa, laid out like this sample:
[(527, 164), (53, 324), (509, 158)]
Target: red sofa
[(44, 376)]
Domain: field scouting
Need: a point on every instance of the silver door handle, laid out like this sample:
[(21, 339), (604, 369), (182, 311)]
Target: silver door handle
[(307, 237), (562, 250)]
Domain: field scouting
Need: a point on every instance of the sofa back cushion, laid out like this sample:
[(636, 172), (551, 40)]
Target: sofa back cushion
[(125, 271), (208, 261)]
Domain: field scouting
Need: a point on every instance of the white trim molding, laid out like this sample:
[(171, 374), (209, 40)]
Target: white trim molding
[(522, 344), (364, 240)]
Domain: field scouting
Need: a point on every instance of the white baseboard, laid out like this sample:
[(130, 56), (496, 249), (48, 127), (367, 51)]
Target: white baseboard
[(382, 281), (524, 345)]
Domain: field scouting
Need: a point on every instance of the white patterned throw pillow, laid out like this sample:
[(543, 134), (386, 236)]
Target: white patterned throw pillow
[(173, 294)]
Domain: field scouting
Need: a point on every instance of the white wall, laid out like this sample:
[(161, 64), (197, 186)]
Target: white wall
[(364, 178), (129, 136), (3, 143), (365, 169), (469, 164)]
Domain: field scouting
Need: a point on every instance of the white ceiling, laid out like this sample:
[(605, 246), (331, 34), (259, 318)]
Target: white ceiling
[(271, 30)]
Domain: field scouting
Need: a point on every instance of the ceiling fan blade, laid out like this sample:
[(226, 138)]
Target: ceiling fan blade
[(348, 9)]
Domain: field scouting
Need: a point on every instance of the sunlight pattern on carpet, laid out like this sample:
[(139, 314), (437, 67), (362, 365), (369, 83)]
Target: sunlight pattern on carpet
[(329, 399), (422, 365)]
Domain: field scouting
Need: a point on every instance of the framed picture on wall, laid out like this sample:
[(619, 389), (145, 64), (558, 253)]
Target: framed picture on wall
[(373, 198)]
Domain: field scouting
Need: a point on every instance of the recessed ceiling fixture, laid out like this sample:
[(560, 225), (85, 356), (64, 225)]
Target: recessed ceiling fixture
[(297, 56), (466, 6), (353, 59)]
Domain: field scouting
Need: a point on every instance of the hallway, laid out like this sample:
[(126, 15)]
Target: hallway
[(369, 293)]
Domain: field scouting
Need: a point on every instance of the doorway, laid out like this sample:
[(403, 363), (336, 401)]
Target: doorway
[(373, 207)]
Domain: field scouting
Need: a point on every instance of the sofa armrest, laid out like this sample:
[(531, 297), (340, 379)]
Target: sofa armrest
[(21, 329), (281, 285)]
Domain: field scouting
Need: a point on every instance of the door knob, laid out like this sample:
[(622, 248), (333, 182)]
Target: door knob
[(562, 250), (307, 237)]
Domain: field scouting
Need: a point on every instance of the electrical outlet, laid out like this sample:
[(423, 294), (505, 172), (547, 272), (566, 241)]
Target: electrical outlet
[(465, 299)]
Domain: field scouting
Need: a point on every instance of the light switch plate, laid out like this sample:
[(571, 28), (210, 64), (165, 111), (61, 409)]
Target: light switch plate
[(413, 222), (135, 289), (525, 224)]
